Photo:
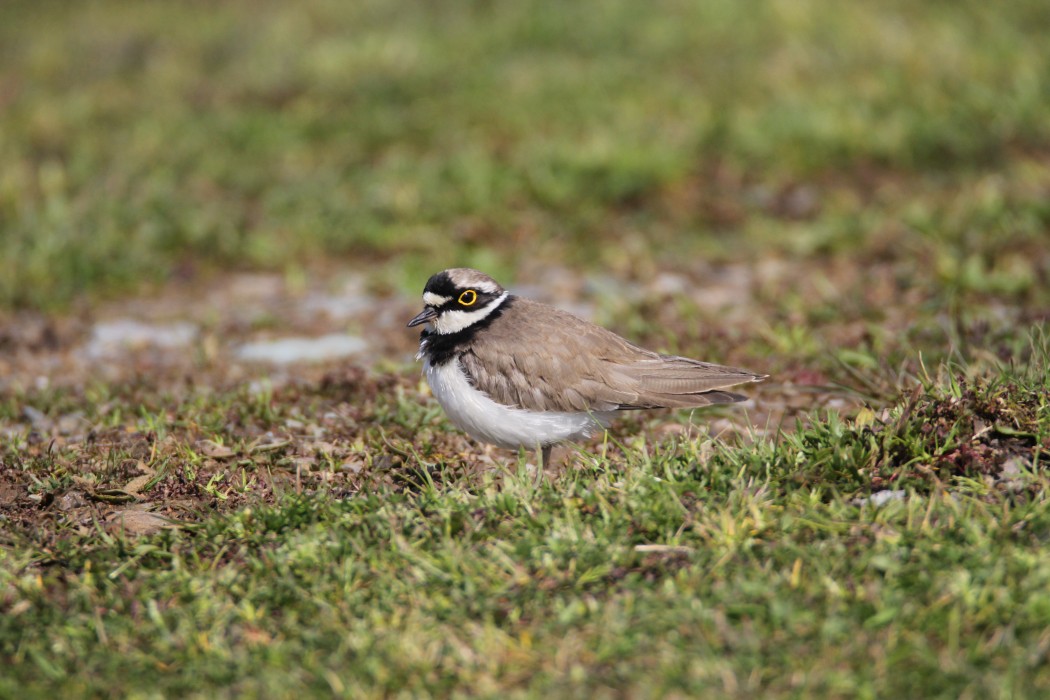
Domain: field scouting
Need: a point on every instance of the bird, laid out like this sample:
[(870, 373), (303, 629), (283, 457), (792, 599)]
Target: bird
[(518, 373)]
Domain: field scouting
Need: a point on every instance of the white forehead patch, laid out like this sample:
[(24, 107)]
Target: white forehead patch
[(431, 299), (466, 278)]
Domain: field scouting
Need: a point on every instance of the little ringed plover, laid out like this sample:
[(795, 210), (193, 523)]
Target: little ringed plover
[(518, 373)]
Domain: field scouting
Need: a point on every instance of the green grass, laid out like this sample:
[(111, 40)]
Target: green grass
[(859, 192), (143, 138), (773, 579)]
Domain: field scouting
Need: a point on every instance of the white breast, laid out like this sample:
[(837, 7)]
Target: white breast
[(474, 412)]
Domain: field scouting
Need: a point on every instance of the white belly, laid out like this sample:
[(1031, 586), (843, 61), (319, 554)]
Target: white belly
[(474, 412)]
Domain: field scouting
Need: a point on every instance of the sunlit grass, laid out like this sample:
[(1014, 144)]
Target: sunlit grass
[(691, 565)]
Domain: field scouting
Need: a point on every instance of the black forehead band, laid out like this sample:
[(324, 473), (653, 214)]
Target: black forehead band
[(440, 284)]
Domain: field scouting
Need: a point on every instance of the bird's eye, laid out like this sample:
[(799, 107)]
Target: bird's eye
[(468, 297)]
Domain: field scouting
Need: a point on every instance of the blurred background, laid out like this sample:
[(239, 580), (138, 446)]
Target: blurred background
[(829, 162)]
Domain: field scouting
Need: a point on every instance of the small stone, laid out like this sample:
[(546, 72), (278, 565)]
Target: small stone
[(288, 350), (114, 338), (881, 498)]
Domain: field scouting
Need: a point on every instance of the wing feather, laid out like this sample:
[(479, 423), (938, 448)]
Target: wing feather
[(542, 359)]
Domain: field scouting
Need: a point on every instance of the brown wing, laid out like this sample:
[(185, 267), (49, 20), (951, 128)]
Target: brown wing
[(542, 359)]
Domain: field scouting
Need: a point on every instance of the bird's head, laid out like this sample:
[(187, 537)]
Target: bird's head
[(458, 298)]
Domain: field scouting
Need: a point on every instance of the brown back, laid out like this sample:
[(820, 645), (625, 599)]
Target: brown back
[(540, 358)]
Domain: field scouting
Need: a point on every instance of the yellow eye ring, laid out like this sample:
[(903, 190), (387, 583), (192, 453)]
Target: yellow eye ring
[(468, 297)]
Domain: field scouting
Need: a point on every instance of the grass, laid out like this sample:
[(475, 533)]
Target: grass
[(144, 140), (851, 198), (692, 567)]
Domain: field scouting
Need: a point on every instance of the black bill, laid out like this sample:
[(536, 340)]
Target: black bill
[(427, 314)]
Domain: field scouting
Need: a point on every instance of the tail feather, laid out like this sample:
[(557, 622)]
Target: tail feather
[(678, 382)]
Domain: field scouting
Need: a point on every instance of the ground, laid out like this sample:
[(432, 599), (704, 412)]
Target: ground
[(222, 475)]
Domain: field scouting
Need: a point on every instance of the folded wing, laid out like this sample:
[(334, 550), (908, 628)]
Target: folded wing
[(549, 360)]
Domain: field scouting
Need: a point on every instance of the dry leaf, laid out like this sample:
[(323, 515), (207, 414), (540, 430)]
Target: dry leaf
[(215, 450), (136, 485), (138, 522)]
